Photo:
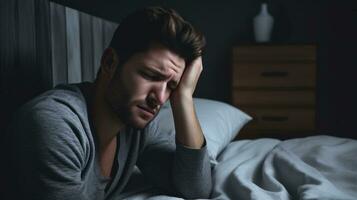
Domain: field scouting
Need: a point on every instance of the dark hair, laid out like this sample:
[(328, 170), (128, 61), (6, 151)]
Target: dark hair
[(142, 28)]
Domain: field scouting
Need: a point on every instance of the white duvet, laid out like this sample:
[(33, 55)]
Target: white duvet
[(318, 167)]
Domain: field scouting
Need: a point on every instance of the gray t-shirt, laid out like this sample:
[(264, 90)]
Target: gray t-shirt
[(54, 154)]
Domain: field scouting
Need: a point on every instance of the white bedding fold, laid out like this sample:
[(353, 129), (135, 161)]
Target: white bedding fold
[(319, 167)]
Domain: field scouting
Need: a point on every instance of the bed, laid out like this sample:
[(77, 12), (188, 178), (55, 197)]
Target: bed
[(315, 167)]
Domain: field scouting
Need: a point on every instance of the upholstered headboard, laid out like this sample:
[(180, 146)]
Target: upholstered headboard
[(78, 40), (44, 44)]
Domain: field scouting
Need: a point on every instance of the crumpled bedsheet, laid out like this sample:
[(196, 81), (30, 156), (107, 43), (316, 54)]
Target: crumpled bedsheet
[(316, 167)]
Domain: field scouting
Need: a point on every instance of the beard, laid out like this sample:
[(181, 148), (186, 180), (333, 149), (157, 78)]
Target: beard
[(119, 99), (130, 115), (121, 106)]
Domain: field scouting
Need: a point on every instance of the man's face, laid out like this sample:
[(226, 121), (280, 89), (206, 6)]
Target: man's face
[(143, 83)]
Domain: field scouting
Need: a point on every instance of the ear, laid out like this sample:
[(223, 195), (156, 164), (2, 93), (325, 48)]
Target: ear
[(109, 62)]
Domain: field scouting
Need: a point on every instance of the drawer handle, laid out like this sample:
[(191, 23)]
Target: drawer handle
[(275, 118), (272, 74)]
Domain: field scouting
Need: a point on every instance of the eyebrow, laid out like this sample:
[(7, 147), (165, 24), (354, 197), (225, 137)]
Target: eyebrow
[(157, 72), (161, 75)]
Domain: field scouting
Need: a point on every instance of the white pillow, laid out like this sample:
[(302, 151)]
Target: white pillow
[(220, 123)]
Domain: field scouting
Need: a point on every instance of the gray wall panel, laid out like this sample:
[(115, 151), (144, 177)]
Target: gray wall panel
[(59, 44), (86, 47), (98, 45), (73, 46)]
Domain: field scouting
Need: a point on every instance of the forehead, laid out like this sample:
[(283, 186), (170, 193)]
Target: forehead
[(163, 59)]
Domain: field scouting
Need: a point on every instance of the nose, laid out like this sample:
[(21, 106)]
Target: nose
[(159, 94)]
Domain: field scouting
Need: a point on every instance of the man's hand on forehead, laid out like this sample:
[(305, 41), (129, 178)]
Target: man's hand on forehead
[(189, 79)]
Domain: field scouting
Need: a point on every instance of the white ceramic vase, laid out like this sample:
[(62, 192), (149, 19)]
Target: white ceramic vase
[(263, 24)]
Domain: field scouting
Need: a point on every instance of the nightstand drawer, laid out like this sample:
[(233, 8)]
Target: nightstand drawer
[(281, 119), (282, 75), (274, 98)]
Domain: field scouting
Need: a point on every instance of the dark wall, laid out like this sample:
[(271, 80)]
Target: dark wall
[(25, 54), (329, 24), (25, 60)]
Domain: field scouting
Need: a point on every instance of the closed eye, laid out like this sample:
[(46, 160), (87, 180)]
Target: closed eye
[(150, 76), (156, 76), (153, 74)]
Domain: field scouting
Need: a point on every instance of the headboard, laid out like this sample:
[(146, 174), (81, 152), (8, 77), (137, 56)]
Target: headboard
[(44, 44), (78, 40)]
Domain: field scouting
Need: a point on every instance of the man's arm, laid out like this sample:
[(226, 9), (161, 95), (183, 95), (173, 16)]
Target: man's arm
[(191, 150), (172, 167), (188, 129), (182, 168)]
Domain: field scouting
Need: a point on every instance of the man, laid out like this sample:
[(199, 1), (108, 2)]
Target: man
[(82, 141)]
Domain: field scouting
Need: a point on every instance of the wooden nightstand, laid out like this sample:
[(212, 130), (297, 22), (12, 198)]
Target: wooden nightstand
[(275, 84)]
